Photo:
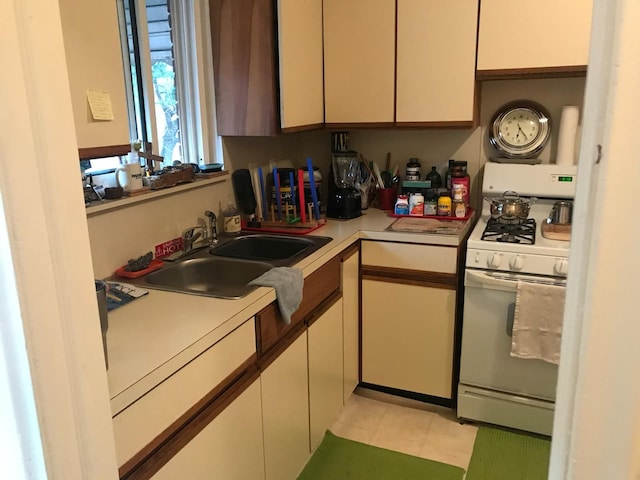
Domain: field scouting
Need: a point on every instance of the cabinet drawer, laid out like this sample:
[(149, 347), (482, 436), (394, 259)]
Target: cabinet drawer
[(317, 288), (409, 256), (139, 424)]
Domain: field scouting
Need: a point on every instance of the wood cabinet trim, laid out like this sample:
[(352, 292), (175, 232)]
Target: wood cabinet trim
[(89, 153), (359, 125), (409, 277), (323, 307), (302, 128), (350, 251), (170, 441), (283, 344), (452, 124), (529, 73)]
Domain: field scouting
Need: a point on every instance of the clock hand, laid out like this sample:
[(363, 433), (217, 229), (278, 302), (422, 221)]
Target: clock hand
[(521, 131)]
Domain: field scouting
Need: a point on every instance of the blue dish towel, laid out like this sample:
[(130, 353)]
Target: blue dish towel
[(288, 283)]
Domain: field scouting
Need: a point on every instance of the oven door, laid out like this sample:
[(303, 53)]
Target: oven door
[(489, 307)]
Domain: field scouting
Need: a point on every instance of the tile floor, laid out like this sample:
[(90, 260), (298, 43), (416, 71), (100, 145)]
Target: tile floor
[(406, 426)]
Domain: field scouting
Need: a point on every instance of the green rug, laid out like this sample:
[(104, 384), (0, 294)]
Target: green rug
[(337, 459), (504, 455)]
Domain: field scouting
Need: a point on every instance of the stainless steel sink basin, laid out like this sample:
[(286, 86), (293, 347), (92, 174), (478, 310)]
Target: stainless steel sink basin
[(225, 270), (211, 276), (275, 249)]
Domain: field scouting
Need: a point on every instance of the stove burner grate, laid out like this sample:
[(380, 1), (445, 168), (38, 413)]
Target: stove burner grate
[(524, 233)]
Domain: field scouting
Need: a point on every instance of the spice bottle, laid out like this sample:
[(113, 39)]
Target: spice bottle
[(416, 204), (413, 170), (444, 205), (458, 209)]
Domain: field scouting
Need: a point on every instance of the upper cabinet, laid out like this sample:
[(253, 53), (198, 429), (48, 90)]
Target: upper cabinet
[(545, 35), (300, 64), (436, 55), (359, 61), (243, 43), (94, 63)]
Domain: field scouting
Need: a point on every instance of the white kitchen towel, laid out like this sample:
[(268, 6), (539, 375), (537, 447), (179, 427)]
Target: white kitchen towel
[(537, 326), (288, 283)]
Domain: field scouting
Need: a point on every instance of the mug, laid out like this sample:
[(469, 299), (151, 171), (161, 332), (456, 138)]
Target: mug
[(132, 177)]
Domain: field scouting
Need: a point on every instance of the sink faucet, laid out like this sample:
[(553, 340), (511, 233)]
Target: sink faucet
[(190, 235), (212, 226), (201, 235)]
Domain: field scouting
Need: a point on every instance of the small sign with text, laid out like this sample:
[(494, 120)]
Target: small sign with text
[(167, 248)]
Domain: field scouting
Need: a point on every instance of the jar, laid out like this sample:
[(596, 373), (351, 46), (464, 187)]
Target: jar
[(458, 209), (434, 178), (460, 181), (402, 205), (416, 204), (413, 170), (231, 220), (456, 191), (431, 202), (444, 205)]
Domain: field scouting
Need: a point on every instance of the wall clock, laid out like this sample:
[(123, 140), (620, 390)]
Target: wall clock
[(520, 129)]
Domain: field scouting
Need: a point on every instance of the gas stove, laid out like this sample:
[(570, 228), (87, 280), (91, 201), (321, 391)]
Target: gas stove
[(521, 248)]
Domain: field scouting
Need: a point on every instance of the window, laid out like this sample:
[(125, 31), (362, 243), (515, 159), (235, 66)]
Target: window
[(166, 49)]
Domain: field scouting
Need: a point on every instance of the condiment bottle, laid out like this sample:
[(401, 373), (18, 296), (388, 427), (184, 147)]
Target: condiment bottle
[(444, 205), (434, 177), (413, 170)]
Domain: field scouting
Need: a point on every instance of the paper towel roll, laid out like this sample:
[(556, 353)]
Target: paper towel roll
[(567, 135)]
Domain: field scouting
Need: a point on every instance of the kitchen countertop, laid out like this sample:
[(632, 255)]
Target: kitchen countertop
[(154, 336)]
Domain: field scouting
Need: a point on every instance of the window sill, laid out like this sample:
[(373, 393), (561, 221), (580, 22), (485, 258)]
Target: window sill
[(106, 205)]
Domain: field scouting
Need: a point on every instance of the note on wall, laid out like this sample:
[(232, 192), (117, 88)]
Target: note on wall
[(100, 104)]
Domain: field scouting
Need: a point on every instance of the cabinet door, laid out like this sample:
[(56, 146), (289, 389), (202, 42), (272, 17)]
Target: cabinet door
[(300, 63), (359, 61), (407, 337), (325, 372), (350, 312), (230, 447), (544, 33), (243, 47), (436, 60), (285, 412)]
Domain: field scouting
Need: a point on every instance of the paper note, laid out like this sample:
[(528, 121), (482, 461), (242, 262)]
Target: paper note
[(100, 104)]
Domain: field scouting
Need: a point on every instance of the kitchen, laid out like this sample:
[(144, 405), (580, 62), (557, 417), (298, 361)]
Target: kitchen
[(71, 228)]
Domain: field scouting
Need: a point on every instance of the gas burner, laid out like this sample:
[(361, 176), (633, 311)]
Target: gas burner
[(524, 233)]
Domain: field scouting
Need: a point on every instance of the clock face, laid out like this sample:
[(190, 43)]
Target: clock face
[(520, 129)]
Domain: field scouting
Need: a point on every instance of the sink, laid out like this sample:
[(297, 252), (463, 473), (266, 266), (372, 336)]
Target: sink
[(210, 276), (280, 250), (225, 270)]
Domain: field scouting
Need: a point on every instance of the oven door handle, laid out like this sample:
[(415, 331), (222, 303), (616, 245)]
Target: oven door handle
[(482, 280)]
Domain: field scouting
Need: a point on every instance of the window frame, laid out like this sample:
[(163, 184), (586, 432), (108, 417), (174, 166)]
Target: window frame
[(191, 38)]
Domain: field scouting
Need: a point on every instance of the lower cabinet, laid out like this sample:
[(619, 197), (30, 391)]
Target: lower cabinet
[(407, 337), (325, 372), (285, 412), (229, 448)]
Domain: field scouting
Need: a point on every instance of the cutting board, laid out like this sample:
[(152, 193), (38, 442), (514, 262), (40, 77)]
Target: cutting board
[(554, 231)]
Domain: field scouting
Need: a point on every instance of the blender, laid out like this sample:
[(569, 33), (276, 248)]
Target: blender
[(344, 197)]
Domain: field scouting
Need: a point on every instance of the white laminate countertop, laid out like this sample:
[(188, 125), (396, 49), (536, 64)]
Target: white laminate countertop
[(154, 336)]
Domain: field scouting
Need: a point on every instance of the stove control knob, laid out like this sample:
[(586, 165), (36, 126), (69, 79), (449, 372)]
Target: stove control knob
[(516, 262), (561, 267), (494, 260)]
